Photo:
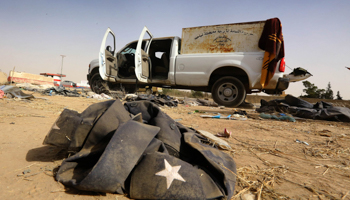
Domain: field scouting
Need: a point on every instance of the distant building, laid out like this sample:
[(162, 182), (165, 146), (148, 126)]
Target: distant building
[(56, 77), (22, 77)]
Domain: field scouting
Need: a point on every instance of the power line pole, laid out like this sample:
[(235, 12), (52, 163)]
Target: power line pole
[(62, 68)]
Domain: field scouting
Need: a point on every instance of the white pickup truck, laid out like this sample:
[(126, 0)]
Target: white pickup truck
[(222, 59)]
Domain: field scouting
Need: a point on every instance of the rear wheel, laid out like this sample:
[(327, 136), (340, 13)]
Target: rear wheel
[(228, 91), (98, 85)]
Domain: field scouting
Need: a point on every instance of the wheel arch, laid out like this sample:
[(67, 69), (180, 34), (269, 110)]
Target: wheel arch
[(233, 71), (93, 71)]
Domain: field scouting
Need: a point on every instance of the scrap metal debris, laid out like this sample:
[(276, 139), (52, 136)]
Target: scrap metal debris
[(13, 91)]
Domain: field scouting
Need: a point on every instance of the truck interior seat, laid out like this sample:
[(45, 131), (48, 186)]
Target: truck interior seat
[(165, 59)]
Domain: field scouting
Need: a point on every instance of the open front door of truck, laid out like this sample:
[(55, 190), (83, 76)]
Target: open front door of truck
[(107, 56), (142, 61)]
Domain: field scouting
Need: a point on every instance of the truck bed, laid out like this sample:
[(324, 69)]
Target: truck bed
[(225, 38)]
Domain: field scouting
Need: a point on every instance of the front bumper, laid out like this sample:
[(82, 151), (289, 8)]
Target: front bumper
[(282, 85)]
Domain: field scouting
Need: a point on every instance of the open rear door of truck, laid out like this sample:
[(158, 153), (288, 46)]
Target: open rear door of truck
[(107, 56), (142, 61)]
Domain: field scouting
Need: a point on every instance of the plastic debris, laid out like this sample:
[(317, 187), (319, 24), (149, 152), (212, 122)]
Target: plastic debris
[(238, 117), (215, 140), (229, 117), (1, 94), (302, 142), (226, 133), (282, 116), (13, 91), (101, 96)]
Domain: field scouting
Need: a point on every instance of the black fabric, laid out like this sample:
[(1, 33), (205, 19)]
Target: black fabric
[(299, 71), (146, 185), (159, 100), (120, 154), (294, 101), (152, 115), (71, 128), (114, 163), (301, 108), (213, 161)]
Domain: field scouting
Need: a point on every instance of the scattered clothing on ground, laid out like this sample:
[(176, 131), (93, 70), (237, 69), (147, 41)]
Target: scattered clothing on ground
[(138, 150), (303, 109), (159, 100)]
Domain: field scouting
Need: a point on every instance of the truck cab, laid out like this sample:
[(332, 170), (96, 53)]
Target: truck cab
[(114, 70)]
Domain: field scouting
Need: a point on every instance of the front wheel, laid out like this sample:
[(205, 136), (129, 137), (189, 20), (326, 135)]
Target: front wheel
[(98, 85), (228, 91)]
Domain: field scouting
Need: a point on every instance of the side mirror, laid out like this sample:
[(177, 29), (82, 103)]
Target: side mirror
[(109, 48)]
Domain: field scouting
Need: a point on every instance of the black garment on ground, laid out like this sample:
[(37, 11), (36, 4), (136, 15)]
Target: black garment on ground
[(117, 153), (301, 108), (159, 100)]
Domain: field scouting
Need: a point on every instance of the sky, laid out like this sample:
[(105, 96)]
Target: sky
[(33, 34)]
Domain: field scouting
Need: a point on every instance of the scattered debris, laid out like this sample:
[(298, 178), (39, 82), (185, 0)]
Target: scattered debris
[(248, 196), (13, 91), (301, 108), (61, 90), (1, 94), (198, 102), (159, 100), (298, 74), (215, 116), (222, 144), (102, 96), (229, 117), (302, 142), (325, 133), (226, 133), (281, 116), (238, 117), (208, 103)]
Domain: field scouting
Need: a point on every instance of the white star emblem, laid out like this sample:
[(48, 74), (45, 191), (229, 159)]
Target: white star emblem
[(170, 173)]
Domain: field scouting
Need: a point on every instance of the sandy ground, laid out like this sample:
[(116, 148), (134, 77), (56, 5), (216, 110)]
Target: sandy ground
[(270, 164)]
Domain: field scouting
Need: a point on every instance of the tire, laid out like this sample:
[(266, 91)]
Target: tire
[(98, 85), (228, 91)]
